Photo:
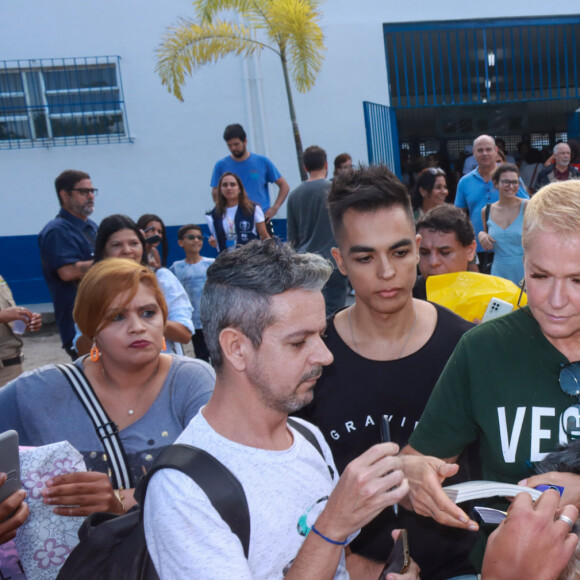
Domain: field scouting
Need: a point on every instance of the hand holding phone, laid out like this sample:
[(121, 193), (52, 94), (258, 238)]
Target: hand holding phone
[(9, 463), (13, 510), (399, 559)]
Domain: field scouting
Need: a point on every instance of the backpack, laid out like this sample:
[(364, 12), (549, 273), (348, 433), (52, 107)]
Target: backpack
[(113, 546)]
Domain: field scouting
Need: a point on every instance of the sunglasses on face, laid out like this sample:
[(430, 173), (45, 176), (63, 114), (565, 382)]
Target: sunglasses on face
[(193, 237), (435, 170)]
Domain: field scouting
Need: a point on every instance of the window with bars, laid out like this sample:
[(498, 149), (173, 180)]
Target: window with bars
[(52, 102)]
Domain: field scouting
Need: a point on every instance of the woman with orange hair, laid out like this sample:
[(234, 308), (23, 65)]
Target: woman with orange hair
[(143, 398)]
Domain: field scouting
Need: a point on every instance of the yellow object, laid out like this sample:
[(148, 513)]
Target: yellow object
[(468, 293)]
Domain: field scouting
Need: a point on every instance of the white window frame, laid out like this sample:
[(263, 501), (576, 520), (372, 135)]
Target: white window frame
[(34, 71)]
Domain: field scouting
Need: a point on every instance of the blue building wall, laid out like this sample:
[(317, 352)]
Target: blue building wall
[(20, 262)]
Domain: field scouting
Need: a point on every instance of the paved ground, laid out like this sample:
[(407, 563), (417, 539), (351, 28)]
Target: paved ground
[(43, 347)]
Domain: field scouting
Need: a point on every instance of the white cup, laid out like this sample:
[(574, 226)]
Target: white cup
[(19, 326)]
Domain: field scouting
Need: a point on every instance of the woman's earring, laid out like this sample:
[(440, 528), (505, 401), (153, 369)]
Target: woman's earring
[(94, 352), (164, 345)]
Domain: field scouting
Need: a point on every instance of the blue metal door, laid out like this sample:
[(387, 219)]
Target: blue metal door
[(382, 136)]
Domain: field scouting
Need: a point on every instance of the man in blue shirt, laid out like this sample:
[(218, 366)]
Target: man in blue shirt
[(255, 171), (476, 189), (67, 245)]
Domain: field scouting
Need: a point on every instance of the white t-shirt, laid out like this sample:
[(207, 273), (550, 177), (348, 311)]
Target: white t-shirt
[(286, 492), (229, 221)]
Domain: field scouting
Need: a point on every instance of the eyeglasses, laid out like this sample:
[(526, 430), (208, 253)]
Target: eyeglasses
[(86, 191), (193, 237), (509, 183), (569, 380)]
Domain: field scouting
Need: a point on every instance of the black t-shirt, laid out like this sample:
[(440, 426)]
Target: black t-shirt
[(349, 400), (420, 288)]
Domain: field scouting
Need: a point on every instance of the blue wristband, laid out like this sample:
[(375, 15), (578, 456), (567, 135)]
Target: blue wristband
[(328, 539)]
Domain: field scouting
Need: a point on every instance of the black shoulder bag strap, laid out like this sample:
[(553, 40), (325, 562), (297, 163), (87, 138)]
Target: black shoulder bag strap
[(106, 430), (311, 438), (487, 210), (221, 486)]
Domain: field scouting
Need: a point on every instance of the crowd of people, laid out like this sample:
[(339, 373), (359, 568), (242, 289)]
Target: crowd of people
[(327, 490), (535, 163)]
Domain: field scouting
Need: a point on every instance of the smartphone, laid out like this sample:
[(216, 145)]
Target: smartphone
[(496, 308), (9, 463), (152, 240), (399, 559)]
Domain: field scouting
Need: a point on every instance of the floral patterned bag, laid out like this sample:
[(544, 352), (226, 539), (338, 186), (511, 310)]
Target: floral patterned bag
[(45, 540)]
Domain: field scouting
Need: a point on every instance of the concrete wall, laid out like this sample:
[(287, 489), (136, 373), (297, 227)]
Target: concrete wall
[(166, 170)]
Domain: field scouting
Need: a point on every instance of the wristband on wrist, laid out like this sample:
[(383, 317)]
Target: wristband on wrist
[(328, 539)]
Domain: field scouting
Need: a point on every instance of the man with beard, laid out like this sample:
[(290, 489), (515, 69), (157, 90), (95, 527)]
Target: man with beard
[(67, 245), (255, 171), (262, 312), (476, 189), (389, 349), (560, 170)]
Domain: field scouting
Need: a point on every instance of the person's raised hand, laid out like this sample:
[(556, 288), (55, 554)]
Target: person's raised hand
[(81, 493), (369, 484), (533, 541), (426, 495)]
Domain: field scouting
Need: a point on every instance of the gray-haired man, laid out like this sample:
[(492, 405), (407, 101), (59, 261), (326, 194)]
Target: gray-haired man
[(263, 314), (560, 170)]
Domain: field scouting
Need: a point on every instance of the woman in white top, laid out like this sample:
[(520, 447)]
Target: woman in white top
[(235, 220)]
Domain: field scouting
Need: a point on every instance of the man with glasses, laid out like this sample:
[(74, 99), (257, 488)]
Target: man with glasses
[(67, 245), (476, 189)]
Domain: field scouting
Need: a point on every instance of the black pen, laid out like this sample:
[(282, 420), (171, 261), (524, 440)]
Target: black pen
[(386, 438)]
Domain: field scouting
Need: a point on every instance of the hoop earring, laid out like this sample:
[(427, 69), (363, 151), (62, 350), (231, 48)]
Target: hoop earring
[(94, 352), (164, 345)]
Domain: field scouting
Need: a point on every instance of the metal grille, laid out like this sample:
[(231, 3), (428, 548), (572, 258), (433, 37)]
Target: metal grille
[(61, 102), (478, 62), (382, 138)]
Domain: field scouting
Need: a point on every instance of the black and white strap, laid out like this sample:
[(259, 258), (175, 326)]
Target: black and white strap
[(106, 430)]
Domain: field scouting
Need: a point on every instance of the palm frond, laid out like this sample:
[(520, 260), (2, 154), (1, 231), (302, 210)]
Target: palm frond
[(206, 10), (295, 26), (188, 46)]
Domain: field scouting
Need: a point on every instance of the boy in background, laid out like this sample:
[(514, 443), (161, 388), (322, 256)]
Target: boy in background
[(191, 272)]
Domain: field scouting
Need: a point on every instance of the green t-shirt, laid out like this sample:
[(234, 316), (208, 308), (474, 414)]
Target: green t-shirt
[(500, 386)]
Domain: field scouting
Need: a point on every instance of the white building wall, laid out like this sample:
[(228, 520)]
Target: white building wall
[(167, 168)]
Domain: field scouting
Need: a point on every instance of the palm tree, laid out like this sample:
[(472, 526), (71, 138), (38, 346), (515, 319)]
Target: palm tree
[(290, 28)]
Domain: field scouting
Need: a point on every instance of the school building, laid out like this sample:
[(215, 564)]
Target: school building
[(78, 89)]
